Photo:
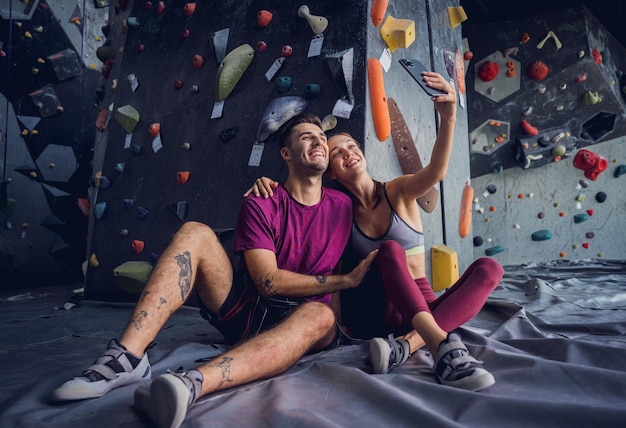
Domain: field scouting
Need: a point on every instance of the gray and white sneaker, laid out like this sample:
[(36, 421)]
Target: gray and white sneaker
[(387, 353), (454, 366), (168, 397), (116, 367)]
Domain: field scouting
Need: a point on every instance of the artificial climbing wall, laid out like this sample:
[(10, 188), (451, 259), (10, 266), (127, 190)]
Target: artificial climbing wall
[(540, 202), (48, 82), (167, 155), (435, 44)]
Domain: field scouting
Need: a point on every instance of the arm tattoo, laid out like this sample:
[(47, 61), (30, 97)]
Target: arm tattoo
[(224, 365), (184, 278), (321, 279), (266, 285)]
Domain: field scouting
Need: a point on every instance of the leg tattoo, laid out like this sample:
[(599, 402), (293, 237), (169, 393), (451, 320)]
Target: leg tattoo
[(224, 365), (184, 278), (138, 319)]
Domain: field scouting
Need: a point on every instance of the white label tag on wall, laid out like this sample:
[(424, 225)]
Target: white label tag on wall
[(315, 48), (128, 140), (269, 75), (157, 144), (342, 109), (218, 109), (385, 59), (255, 155)]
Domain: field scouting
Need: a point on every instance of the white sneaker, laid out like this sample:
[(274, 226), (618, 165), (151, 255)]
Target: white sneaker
[(387, 353), (454, 366), (113, 369)]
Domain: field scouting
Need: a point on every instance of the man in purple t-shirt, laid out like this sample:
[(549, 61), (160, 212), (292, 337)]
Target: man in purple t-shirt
[(276, 308)]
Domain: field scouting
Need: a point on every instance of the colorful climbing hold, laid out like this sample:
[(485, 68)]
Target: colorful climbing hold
[(541, 235), (155, 129), (264, 17), (377, 13), (562, 214), (541, 214), (581, 78), (317, 23), (579, 218), (120, 166), (136, 149), (137, 246), (600, 197), (189, 9), (143, 213), (591, 163), (231, 69), (286, 51), (491, 189), (93, 260), (525, 38), (591, 98), (182, 177), (477, 241), (261, 46), (186, 33), (562, 254), (528, 128), (494, 250), (198, 61), (160, 7), (619, 171), (590, 235), (585, 245), (488, 71), (83, 205), (129, 202), (99, 210), (312, 91), (177, 85), (282, 84), (597, 56), (537, 70)]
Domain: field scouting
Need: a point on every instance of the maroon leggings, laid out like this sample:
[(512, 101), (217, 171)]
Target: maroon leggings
[(402, 297)]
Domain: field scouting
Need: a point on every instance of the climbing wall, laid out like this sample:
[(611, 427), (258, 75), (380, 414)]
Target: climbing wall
[(48, 80), (547, 155), (435, 45), (177, 145)]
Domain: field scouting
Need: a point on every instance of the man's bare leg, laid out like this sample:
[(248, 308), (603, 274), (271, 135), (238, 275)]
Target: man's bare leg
[(195, 255), (310, 327)]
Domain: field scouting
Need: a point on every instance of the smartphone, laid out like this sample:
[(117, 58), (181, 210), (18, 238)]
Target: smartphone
[(415, 69)]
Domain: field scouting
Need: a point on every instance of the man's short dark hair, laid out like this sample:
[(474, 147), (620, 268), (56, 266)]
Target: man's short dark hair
[(285, 130)]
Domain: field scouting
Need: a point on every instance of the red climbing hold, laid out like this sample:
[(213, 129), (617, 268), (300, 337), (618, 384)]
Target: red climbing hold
[(585, 244), (590, 212), (467, 56), (528, 128), (148, 5), (261, 46), (488, 71), (286, 51), (186, 33), (154, 129), (264, 17), (189, 8), (178, 84), (182, 177), (597, 56), (161, 7), (198, 61), (591, 163), (141, 48), (538, 70), (83, 205), (138, 246)]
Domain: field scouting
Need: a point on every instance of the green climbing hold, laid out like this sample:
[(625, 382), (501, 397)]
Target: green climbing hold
[(136, 149), (494, 250), (119, 167), (619, 171), (559, 150), (231, 69), (541, 235), (312, 91), (282, 84), (99, 209), (579, 218), (128, 117), (133, 275)]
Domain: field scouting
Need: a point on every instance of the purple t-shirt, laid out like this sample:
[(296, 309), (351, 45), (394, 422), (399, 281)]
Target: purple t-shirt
[(306, 239)]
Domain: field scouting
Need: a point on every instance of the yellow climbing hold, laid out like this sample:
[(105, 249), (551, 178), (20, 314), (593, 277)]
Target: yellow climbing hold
[(231, 69), (398, 33), (93, 260), (457, 15)]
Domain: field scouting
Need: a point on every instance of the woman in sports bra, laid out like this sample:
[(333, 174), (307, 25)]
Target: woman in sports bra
[(396, 297)]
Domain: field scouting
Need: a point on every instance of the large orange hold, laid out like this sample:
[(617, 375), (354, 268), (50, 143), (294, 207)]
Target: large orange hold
[(154, 129), (380, 109), (264, 17), (379, 8)]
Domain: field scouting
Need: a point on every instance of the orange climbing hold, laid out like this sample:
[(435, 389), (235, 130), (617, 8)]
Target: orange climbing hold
[(198, 61), (137, 246), (189, 9), (264, 17), (528, 128), (380, 109), (182, 177), (379, 8), (525, 38), (154, 129)]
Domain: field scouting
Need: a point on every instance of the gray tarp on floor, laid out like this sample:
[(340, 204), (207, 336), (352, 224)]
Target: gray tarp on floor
[(552, 334)]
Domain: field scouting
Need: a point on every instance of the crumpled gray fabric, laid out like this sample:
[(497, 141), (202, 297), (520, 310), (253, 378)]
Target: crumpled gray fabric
[(552, 334)]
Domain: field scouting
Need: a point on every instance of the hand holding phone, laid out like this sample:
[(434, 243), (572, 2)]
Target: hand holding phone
[(415, 69)]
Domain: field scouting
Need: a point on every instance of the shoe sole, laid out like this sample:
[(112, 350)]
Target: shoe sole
[(472, 383), (379, 353), (167, 402)]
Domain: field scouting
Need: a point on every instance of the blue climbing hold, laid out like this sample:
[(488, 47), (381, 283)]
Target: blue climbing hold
[(541, 235), (129, 203), (99, 209), (579, 218), (494, 250), (619, 171), (143, 213), (119, 167), (312, 91), (283, 84)]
